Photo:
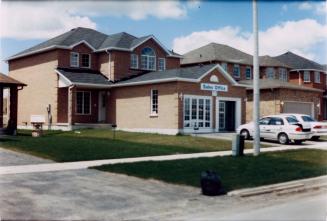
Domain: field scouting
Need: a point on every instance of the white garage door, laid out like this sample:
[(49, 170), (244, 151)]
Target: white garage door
[(298, 108)]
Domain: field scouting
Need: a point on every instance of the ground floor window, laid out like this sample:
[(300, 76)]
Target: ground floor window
[(197, 112), (83, 102), (154, 102)]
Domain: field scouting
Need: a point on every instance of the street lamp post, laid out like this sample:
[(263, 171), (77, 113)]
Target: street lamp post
[(256, 90)]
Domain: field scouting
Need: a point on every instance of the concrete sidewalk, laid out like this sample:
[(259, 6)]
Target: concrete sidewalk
[(47, 167)]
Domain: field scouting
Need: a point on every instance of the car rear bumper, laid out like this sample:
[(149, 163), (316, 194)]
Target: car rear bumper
[(300, 136), (319, 133)]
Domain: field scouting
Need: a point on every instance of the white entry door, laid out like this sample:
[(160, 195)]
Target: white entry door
[(102, 106)]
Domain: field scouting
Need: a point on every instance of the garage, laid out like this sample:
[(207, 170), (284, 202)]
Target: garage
[(298, 108)]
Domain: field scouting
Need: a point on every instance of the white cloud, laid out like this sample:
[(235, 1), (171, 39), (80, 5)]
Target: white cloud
[(298, 36), (319, 8), (305, 6), (40, 20)]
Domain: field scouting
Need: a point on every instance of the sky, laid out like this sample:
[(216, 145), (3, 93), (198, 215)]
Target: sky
[(300, 27)]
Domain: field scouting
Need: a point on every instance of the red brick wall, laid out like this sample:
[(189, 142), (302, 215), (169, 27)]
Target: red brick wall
[(62, 115), (64, 56), (295, 79)]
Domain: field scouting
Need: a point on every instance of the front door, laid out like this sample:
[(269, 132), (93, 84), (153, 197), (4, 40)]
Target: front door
[(102, 106), (226, 116)]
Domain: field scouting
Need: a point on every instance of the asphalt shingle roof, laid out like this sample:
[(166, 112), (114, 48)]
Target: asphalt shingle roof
[(216, 52), (297, 62), (267, 61), (4, 79), (96, 39), (193, 73), (270, 84), (78, 76)]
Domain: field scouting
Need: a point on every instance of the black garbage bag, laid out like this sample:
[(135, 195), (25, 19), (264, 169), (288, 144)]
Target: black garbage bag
[(211, 184)]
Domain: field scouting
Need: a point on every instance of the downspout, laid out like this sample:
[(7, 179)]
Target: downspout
[(109, 65)]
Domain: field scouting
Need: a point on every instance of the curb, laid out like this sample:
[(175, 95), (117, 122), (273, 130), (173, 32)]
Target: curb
[(283, 188)]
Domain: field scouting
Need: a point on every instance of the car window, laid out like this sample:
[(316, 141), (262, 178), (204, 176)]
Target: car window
[(264, 121), (307, 118), (292, 120), (276, 121)]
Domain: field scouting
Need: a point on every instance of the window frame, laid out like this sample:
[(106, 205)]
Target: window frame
[(154, 57), (224, 65), (306, 73), (246, 77), (317, 80), (137, 61), (268, 73), (82, 61), (239, 71), (283, 75), (152, 111), (164, 64), (70, 59), (83, 111)]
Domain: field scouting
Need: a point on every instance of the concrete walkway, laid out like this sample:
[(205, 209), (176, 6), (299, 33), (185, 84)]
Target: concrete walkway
[(47, 167)]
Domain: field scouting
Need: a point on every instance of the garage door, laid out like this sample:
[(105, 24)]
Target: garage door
[(298, 108)]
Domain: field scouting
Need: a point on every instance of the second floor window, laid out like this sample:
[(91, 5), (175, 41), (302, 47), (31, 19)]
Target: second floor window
[(248, 74), (134, 61), (154, 102), (161, 64), (224, 66), (270, 73), (86, 61), (283, 74), (148, 59), (306, 76), (317, 77), (236, 71), (74, 59)]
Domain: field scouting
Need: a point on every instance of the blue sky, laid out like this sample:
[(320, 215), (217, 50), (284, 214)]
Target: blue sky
[(296, 26)]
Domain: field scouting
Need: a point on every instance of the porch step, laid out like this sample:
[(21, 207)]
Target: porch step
[(92, 126)]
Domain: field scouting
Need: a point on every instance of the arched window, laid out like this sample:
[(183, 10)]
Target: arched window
[(148, 59)]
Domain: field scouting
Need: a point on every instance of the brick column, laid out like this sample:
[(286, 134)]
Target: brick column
[(12, 124), (1, 107), (71, 98)]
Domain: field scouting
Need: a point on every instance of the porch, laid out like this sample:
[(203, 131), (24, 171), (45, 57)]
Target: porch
[(9, 88)]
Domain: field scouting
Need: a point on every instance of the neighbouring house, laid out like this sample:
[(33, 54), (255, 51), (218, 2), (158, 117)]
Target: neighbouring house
[(84, 78), (10, 126), (309, 74), (278, 92)]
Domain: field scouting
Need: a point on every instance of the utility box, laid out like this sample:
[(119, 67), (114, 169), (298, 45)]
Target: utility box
[(37, 122), (238, 145)]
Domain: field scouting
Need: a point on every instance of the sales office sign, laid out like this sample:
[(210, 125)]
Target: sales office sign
[(214, 87)]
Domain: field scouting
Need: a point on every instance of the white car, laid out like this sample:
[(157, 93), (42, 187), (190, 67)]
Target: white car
[(278, 127), (318, 128)]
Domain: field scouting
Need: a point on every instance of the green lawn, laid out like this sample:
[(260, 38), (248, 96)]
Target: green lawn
[(99, 144), (235, 172)]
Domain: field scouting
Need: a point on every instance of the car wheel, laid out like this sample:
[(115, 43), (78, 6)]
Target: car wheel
[(315, 138), (283, 138), (245, 133), (298, 142)]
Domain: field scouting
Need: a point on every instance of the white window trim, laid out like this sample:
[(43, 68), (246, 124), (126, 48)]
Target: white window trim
[(153, 113), (164, 64), (239, 71), (250, 73), (223, 65), (137, 61), (89, 61), (70, 61), (273, 72), (304, 80), (83, 103), (148, 61), (191, 129), (283, 71), (316, 73)]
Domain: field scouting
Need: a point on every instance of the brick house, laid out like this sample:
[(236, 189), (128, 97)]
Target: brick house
[(85, 78), (277, 78)]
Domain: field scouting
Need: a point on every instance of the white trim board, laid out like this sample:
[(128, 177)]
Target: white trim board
[(238, 110)]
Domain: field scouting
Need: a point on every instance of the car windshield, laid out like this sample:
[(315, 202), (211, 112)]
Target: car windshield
[(307, 119), (292, 120)]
